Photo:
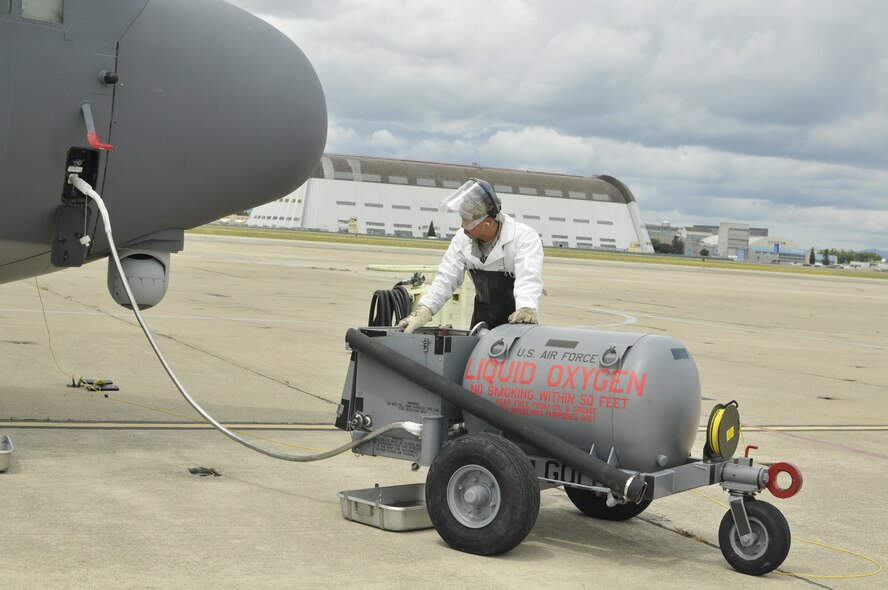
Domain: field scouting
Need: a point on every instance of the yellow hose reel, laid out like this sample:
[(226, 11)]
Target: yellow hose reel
[(722, 432)]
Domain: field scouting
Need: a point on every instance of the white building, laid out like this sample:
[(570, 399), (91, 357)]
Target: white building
[(401, 197), (733, 240)]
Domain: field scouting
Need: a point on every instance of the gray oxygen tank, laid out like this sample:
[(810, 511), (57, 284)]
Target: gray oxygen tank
[(633, 398)]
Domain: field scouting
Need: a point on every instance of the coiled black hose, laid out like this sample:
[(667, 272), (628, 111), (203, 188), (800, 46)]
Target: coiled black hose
[(388, 307)]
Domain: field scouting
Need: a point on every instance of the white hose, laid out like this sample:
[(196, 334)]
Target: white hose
[(411, 427)]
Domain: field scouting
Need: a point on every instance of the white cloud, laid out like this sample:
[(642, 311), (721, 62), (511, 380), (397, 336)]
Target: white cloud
[(538, 148), (855, 137), (339, 137), (384, 139), (771, 113)]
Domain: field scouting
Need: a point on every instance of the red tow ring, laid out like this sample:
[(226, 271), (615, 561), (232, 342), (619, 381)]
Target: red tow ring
[(793, 488)]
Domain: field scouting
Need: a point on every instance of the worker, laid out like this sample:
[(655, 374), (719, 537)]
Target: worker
[(504, 257)]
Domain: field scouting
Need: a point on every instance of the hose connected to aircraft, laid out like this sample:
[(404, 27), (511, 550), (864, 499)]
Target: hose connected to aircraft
[(411, 427)]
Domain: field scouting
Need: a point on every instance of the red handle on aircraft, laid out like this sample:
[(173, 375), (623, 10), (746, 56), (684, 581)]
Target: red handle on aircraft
[(91, 136), (93, 140)]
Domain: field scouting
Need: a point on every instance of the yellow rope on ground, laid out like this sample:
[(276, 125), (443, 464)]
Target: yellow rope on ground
[(91, 391), (825, 546)]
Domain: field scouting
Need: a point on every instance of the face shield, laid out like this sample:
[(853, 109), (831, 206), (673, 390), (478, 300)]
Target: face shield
[(471, 201)]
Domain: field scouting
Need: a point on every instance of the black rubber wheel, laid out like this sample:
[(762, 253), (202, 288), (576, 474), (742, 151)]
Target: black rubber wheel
[(482, 494), (769, 547), (595, 505)]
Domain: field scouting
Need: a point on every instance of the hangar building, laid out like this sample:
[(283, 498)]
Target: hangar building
[(400, 198)]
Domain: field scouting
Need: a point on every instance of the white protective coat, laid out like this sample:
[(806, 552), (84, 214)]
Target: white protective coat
[(519, 252)]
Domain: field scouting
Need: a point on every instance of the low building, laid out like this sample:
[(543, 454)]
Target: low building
[(693, 237), (696, 238), (664, 232), (776, 250)]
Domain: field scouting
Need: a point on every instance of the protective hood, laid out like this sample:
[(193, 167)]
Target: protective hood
[(475, 200)]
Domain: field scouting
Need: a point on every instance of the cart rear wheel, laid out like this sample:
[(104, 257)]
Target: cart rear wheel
[(482, 494), (595, 505), (770, 543)]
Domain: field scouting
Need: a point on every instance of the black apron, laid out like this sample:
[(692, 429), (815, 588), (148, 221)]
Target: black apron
[(494, 297)]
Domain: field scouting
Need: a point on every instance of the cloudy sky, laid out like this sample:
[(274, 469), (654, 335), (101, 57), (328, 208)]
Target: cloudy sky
[(770, 113)]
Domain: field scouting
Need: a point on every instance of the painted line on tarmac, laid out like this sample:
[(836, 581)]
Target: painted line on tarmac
[(149, 316), (632, 318), (628, 319), (280, 426), (812, 428), (160, 425), (828, 443)]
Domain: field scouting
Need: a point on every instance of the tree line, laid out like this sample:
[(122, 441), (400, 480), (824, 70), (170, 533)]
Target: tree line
[(676, 247), (844, 256)]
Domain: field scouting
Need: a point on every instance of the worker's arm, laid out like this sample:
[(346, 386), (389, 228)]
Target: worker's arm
[(450, 275)]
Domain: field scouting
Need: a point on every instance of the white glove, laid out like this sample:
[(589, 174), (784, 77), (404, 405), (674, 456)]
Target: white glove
[(420, 317), (525, 315)]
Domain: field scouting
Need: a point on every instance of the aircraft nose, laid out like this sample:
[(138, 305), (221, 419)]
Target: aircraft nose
[(215, 111)]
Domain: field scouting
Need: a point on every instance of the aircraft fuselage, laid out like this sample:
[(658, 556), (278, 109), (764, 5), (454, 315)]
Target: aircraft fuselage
[(209, 109)]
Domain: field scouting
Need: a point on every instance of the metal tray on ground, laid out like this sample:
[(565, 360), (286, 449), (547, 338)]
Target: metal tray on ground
[(6, 450), (391, 508)]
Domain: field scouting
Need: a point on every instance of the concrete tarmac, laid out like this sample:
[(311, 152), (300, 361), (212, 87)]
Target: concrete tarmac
[(98, 493)]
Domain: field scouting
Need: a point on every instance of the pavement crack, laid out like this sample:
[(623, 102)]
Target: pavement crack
[(131, 322), (277, 380), (701, 540)]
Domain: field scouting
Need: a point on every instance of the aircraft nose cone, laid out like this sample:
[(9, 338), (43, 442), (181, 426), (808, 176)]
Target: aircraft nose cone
[(215, 111)]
